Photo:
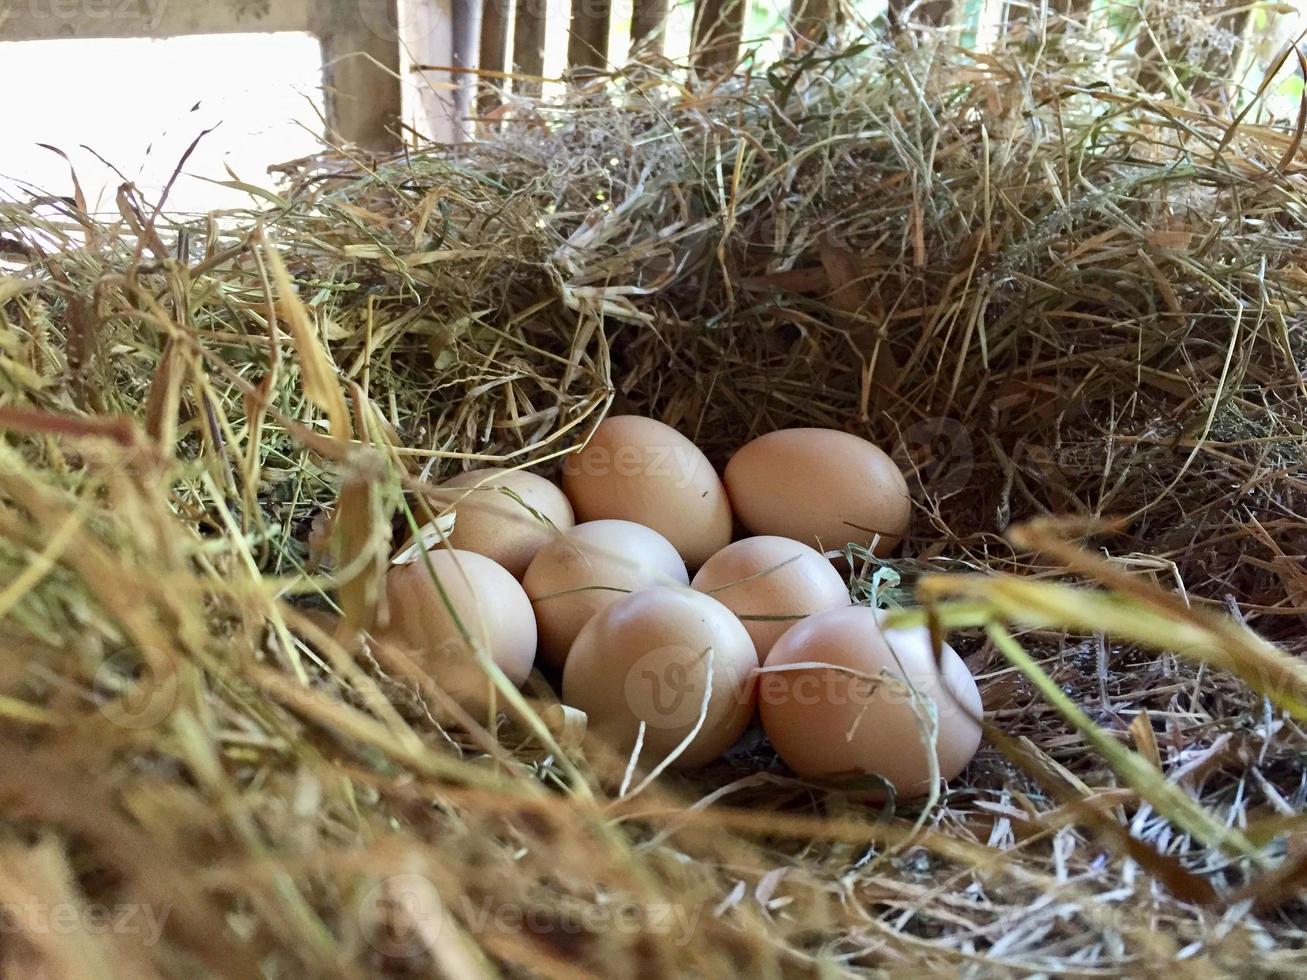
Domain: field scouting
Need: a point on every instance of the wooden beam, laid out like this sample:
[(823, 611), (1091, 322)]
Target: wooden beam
[(361, 71), (648, 26), (49, 20), (587, 42), (718, 27), (494, 50), (529, 43)]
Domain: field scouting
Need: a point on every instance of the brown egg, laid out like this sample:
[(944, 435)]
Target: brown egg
[(820, 486), (637, 469), (646, 657), (488, 602), (771, 583), (830, 723), (506, 515), (590, 567)]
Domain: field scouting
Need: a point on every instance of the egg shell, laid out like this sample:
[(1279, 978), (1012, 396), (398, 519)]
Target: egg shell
[(638, 469), (506, 515), (829, 723), (589, 567), (821, 486), (487, 600), (766, 577), (645, 658)]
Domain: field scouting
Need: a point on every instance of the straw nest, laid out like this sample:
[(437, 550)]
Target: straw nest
[(1052, 297)]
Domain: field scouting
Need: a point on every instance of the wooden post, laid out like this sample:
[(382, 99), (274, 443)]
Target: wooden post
[(812, 21), (648, 25), (718, 28), (587, 42), (467, 47), (494, 50), (428, 33), (361, 71), (933, 12), (529, 44)]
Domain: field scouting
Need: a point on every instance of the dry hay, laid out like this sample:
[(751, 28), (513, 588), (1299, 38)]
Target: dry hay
[(1052, 296)]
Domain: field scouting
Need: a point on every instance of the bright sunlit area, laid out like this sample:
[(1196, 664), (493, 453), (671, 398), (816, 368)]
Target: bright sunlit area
[(137, 105)]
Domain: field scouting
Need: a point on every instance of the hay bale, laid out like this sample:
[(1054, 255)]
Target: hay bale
[(1047, 296)]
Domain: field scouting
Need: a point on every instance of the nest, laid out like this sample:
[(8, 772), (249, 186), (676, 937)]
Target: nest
[(1049, 297)]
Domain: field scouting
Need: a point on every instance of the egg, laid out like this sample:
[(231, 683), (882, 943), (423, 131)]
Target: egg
[(506, 515), (487, 601), (820, 486), (828, 722), (589, 567), (638, 469), (771, 583), (646, 658)]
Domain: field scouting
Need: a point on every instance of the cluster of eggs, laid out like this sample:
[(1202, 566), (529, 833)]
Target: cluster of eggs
[(674, 666)]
